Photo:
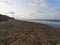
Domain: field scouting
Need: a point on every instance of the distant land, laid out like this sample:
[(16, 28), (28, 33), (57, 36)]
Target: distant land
[(5, 18)]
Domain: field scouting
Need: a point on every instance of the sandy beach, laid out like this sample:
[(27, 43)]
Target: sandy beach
[(27, 33)]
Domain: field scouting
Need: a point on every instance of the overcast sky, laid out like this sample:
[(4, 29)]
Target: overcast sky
[(31, 9)]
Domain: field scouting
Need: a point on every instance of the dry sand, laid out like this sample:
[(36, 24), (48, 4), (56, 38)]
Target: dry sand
[(27, 33)]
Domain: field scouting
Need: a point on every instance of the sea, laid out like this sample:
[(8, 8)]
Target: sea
[(52, 23)]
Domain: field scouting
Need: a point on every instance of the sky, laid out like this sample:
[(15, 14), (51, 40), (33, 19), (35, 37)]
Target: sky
[(31, 9)]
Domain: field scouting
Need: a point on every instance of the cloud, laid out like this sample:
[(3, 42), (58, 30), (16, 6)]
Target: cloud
[(55, 10), (36, 9), (7, 8), (33, 9), (3, 0), (43, 3), (6, 2), (40, 9)]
